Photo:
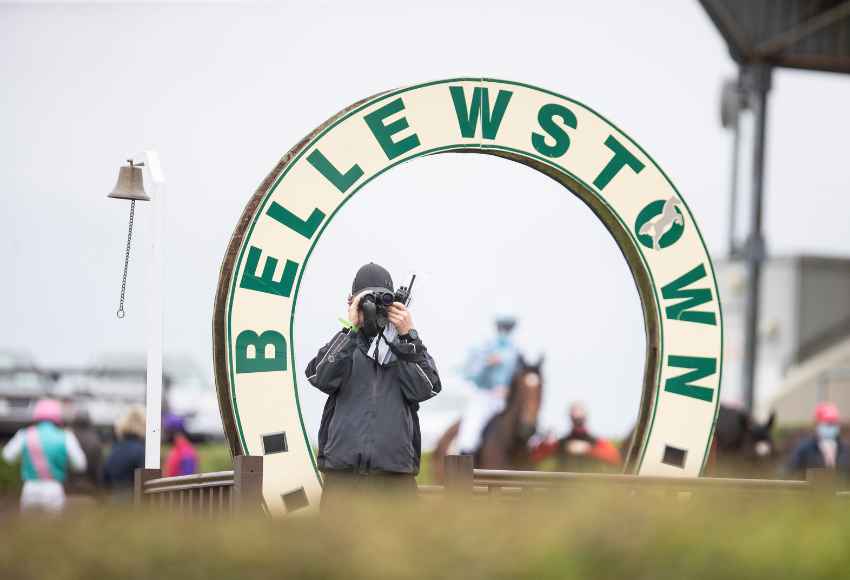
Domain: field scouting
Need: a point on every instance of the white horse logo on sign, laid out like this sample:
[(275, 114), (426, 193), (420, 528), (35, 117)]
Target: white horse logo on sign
[(658, 226)]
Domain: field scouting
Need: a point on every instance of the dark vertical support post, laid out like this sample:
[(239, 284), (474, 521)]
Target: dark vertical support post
[(247, 483), (757, 83), (458, 474), (733, 193), (140, 478), (732, 102)]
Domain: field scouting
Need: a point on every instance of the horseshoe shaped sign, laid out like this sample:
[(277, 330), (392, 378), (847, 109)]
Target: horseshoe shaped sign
[(254, 318)]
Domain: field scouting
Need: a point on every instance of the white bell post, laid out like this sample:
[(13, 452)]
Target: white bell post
[(153, 395)]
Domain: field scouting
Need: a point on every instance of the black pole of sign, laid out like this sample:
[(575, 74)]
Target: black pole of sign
[(757, 79), (733, 194)]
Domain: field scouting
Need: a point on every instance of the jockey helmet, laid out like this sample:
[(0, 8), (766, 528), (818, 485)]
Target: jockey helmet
[(826, 413), (48, 410)]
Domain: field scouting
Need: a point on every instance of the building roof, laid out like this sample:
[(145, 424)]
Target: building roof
[(824, 260), (802, 34)]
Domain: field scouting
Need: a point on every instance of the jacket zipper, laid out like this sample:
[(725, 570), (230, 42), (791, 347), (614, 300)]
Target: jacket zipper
[(372, 418)]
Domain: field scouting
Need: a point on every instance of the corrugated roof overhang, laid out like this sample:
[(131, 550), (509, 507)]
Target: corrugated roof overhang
[(802, 34)]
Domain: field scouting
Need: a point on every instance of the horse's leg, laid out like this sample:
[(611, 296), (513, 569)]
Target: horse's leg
[(438, 456), (521, 458), (488, 456)]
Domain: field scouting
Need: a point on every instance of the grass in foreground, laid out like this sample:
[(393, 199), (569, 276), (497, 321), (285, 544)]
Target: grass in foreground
[(581, 536)]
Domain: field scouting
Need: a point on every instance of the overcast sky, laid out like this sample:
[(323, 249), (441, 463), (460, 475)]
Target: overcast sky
[(224, 90)]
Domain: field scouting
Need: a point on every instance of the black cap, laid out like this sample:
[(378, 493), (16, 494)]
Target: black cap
[(371, 276)]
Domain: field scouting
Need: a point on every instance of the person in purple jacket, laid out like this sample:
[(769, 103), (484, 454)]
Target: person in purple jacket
[(182, 459)]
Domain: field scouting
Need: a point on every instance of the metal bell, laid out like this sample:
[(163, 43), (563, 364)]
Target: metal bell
[(130, 184)]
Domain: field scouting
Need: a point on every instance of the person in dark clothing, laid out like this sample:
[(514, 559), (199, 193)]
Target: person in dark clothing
[(823, 449), (127, 454), (369, 438), (88, 482)]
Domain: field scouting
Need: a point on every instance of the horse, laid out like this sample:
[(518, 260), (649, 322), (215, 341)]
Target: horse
[(742, 446), (504, 442)]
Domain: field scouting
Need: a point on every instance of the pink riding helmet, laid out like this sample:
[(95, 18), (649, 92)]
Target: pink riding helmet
[(826, 413), (48, 410)]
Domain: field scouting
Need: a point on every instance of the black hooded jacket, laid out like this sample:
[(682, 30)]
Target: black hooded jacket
[(370, 422)]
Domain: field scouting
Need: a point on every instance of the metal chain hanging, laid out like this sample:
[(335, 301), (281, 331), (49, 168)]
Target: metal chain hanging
[(120, 312)]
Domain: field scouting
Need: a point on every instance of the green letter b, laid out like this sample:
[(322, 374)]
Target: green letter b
[(260, 363)]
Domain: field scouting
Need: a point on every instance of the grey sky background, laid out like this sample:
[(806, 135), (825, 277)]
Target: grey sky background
[(224, 90)]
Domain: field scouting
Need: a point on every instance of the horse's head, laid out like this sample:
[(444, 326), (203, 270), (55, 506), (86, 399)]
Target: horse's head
[(526, 397), (759, 440)]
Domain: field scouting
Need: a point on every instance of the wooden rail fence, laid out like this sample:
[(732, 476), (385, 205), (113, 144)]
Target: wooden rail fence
[(461, 478), (241, 488), (203, 493)]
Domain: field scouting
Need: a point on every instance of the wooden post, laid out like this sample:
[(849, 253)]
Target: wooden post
[(821, 480), (459, 474), (140, 478), (247, 482)]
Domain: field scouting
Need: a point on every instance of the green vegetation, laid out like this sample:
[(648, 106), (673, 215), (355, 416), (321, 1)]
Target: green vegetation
[(10, 478), (569, 536), (580, 534), (212, 457)]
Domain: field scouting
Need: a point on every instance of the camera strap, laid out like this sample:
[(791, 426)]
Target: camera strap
[(382, 355), (376, 353)]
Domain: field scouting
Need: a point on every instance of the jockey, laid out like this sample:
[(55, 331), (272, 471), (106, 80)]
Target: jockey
[(490, 369), (578, 450), (46, 450)]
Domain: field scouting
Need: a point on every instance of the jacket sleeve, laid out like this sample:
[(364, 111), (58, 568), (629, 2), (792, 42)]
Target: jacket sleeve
[(13, 448), (76, 457), (796, 463), (417, 371), (330, 369)]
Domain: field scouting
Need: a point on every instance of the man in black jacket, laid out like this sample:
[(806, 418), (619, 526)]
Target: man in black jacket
[(824, 448), (369, 438)]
